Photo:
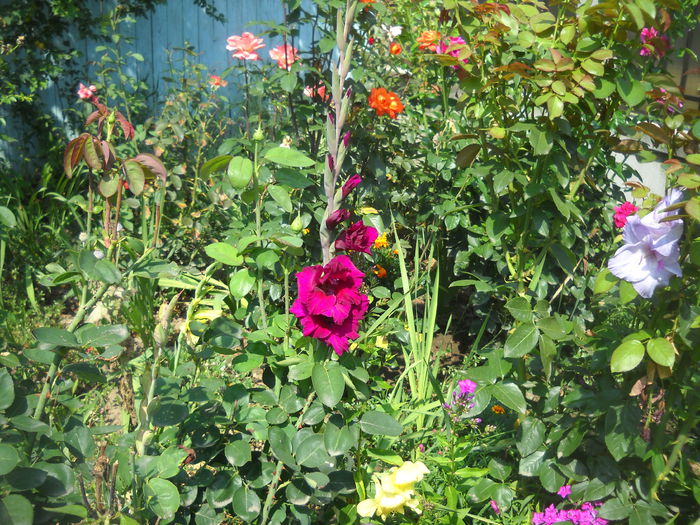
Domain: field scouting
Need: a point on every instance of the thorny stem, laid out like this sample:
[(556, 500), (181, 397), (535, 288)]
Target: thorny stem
[(258, 233), (280, 465)]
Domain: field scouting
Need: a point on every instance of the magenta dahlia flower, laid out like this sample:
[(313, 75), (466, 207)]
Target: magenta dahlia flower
[(622, 212), (330, 305)]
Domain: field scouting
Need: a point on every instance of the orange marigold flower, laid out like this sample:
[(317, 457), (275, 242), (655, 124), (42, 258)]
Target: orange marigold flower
[(379, 271), (429, 40), (498, 409), (385, 102), (395, 48)]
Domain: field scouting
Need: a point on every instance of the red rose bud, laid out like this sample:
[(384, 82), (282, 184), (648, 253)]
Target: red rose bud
[(350, 185), (336, 218), (358, 238)]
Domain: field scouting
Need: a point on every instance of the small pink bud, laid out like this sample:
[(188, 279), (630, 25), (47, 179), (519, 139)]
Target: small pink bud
[(336, 218), (350, 185), (346, 139), (331, 162)]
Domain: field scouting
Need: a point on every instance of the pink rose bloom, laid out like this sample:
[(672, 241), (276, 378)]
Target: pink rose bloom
[(318, 91), (245, 46), (564, 491), (651, 37), (86, 92), (622, 212), (285, 59), (358, 238), (449, 49), (330, 305)]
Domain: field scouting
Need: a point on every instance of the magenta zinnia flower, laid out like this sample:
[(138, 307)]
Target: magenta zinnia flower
[(330, 305), (358, 238)]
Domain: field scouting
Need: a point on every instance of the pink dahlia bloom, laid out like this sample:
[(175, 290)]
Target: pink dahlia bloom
[(622, 212), (244, 46), (330, 305), (285, 59), (358, 238)]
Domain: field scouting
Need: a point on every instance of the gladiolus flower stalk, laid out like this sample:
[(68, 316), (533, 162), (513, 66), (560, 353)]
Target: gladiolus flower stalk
[(340, 104)]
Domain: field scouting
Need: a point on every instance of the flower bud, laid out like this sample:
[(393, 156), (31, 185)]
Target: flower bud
[(336, 218), (346, 139), (331, 162), (297, 225), (258, 135), (350, 185)]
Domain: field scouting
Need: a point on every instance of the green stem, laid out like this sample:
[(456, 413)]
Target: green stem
[(258, 233)]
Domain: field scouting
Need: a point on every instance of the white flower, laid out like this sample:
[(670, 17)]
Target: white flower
[(392, 31), (99, 254), (83, 237)]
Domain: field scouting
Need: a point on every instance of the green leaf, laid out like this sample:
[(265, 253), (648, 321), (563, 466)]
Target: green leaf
[(550, 477), (166, 413), (242, 282), (135, 176), (292, 179), (107, 272), (570, 442), (311, 452), (531, 436), (510, 395), (387, 456), (555, 107), (289, 82), (632, 91), (16, 510), (289, 157), (540, 141), (627, 356), (88, 372), (281, 446), (548, 352), (7, 389), (328, 382), (71, 510), (56, 336), (519, 308), (281, 197), (604, 281), (661, 351), (240, 171), (8, 458), (246, 504), (98, 336), (213, 165), (627, 292), (7, 218), (224, 253), (162, 497), (337, 437), (380, 424), (614, 509), (521, 341), (238, 453), (593, 67)]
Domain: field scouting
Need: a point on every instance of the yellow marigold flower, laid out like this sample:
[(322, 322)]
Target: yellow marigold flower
[(498, 409), (381, 242)]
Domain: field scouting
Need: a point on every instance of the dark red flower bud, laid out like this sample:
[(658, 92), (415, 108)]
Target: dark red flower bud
[(350, 185), (336, 218)]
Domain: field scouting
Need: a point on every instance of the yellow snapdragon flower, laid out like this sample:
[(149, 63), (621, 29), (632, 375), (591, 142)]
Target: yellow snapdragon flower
[(394, 490)]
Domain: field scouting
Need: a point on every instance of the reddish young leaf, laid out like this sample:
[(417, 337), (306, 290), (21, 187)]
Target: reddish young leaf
[(91, 155), (152, 164), (127, 128)]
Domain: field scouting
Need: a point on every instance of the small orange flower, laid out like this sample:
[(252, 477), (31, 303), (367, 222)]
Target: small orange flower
[(379, 271), (429, 40), (385, 102), (217, 81), (498, 409), (395, 48), (396, 252), (367, 1)]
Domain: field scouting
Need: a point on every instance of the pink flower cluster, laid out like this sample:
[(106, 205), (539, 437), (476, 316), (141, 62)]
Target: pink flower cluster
[(622, 212), (330, 305), (245, 47), (651, 37), (86, 92), (586, 515)]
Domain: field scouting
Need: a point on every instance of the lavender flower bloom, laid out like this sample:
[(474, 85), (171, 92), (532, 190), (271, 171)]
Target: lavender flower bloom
[(650, 254)]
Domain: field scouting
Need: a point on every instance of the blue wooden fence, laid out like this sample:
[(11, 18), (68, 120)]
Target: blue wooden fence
[(169, 26)]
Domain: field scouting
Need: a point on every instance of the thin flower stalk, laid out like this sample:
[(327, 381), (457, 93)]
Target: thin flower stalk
[(340, 98)]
